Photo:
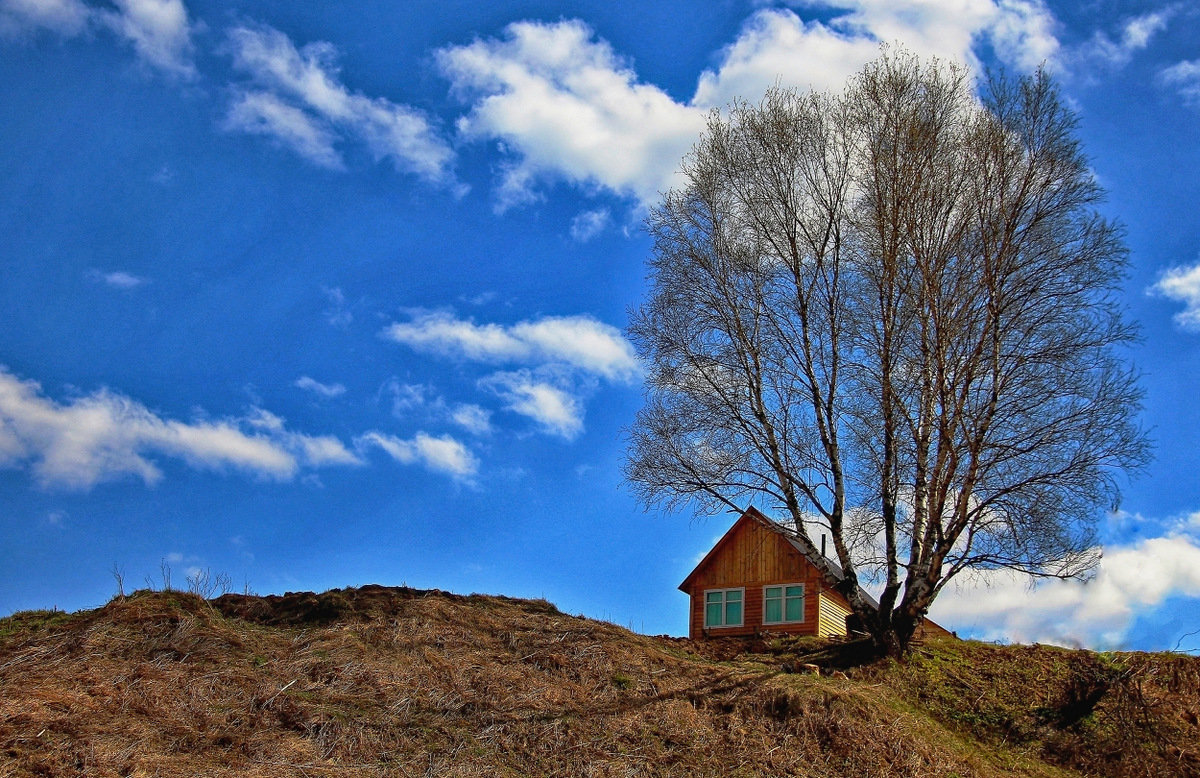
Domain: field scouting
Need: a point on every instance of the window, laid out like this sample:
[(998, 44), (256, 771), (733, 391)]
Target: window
[(783, 604), (723, 608)]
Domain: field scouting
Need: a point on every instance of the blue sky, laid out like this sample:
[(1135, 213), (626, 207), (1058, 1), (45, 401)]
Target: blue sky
[(319, 295)]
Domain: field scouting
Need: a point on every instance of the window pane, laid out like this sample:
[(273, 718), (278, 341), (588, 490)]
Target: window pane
[(795, 609), (733, 596), (772, 610), (712, 614), (773, 591), (713, 596), (733, 611), (795, 591)]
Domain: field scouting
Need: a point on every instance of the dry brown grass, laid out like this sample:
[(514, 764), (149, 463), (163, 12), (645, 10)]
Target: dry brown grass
[(397, 682)]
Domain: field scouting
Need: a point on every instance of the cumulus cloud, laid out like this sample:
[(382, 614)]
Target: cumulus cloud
[(158, 30), (105, 436), (569, 108), (565, 107), (296, 96), (1098, 613), (1183, 284), (441, 454), (117, 279), (779, 46), (555, 409), (318, 388), (776, 45), (577, 341)]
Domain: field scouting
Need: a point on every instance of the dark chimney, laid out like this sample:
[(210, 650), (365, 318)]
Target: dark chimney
[(822, 545)]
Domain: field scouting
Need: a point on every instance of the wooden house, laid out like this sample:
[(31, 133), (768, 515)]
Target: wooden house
[(757, 579)]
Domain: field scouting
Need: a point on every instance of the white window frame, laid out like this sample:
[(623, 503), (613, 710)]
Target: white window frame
[(724, 604), (783, 603)]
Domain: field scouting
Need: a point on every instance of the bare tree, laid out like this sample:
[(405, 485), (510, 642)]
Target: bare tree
[(889, 314)]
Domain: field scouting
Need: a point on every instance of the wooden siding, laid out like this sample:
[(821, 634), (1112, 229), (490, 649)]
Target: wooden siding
[(833, 613), (752, 556)]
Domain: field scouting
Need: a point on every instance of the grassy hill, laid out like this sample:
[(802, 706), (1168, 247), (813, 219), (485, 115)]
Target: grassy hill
[(398, 682)]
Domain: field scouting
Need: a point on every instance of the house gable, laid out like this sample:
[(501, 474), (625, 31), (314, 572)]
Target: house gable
[(752, 556)]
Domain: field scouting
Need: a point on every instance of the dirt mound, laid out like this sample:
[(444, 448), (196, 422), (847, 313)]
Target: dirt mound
[(381, 681)]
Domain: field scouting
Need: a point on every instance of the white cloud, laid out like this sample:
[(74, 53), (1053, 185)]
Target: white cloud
[(159, 32), (118, 279), (565, 107), (318, 388), (262, 113), (1185, 78), (422, 400), (65, 17), (410, 397), (580, 342), (337, 313), (568, 108), (554, 408), (1103, 51), (472, 418), (1097, 613), (1183, 284), (299, 99), (441, 454), (778, 46), (589, 224), (105, 436)]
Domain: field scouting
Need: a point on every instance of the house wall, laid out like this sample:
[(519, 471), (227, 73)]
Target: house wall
[(754, 557), (831, 619)]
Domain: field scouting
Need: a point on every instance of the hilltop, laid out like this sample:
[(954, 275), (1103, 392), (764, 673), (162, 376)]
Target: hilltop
[(382, 681)]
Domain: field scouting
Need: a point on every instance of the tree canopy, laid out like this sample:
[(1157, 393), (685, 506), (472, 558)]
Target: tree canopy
[(890, 315)]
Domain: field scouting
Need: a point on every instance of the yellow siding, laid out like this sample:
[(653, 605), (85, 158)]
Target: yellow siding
[(832, 618)]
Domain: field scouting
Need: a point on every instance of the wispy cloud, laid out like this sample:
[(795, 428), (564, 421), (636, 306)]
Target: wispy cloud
[(1106, 51), (555, 409), (296, 96), (564, 358), (576, 341), (589, 224), (64, 17), (472, 418), (424, 401), (338, 313), (1183, 77), (442, 454), (117, 279), (263, 113), (318, 388), (158, 30), (1183, 285), (105, 436)]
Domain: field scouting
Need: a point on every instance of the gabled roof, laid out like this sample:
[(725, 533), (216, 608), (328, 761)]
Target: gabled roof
[(829, 569)]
